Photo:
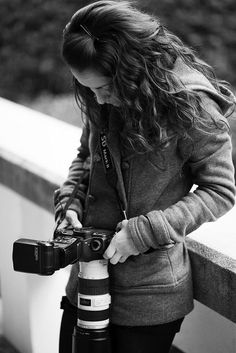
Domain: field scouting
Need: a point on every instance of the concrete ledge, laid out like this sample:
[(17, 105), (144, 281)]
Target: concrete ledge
[(35, 152), (214, 279), (28, 184)]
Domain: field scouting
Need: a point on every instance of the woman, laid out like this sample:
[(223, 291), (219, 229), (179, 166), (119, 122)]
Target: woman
[(163, 114)]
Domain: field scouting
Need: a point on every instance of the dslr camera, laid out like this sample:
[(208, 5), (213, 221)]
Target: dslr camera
[(85, 245), (69, 246)]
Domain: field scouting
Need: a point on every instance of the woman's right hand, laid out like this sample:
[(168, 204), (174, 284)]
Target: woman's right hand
[(70, 220)]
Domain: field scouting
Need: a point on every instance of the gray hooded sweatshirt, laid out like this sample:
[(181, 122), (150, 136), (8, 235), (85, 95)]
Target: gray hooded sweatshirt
[(155, 287)]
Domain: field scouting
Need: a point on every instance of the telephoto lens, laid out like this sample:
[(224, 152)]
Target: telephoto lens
[(91, 333)]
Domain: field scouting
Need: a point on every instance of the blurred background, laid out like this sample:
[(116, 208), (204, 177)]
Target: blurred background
[(33, 73)]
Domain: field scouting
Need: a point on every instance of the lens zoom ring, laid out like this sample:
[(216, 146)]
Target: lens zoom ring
[(93, 286), (93, 315)]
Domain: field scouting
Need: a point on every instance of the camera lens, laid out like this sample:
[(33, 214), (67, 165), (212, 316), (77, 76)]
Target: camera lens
[(95, 244)]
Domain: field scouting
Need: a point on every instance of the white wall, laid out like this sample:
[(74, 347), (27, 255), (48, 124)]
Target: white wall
[(30, 305)]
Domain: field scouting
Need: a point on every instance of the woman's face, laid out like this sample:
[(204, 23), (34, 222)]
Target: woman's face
[(100, 85)]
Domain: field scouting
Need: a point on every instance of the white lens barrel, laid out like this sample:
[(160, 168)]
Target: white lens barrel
[(93, 296), (96, 269), (94, 302)]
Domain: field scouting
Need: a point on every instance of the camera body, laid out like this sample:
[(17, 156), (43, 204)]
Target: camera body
[(67, 247)]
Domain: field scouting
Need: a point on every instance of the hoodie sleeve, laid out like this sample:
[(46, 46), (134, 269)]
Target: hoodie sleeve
[(212, 171), (80, 166)]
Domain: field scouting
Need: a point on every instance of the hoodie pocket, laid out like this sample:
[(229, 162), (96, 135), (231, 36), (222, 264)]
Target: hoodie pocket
[(143, 271)]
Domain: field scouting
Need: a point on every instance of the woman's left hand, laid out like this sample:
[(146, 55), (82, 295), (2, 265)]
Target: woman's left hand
[(121, 245)]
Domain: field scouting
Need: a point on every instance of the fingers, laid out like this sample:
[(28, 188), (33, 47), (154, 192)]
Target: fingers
[(71, 219), (110, 252), (113, 255), (115, 258), (123, 259), (121, 225), (63, 224)]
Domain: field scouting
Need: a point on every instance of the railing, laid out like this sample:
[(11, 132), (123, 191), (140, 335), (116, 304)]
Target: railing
[(35, 153)]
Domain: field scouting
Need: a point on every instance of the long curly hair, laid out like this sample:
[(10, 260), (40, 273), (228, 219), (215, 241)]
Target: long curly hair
[(138, 53)]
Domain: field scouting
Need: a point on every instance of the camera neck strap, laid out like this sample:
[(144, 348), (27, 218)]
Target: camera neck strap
[(110, 169), (111, 176), (70, 199)]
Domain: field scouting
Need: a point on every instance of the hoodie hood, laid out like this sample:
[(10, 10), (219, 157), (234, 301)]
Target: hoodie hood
[(195, 80)]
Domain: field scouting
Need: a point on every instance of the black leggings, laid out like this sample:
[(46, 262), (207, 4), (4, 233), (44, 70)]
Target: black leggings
[(124, 339)]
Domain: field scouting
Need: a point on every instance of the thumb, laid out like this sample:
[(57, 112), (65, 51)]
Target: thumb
[(72, 218), (121, 224)]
